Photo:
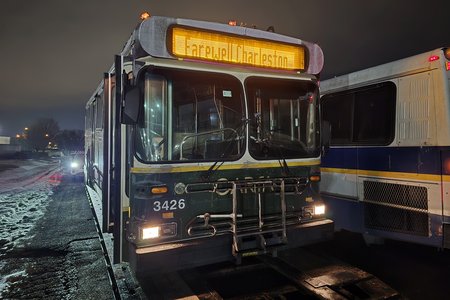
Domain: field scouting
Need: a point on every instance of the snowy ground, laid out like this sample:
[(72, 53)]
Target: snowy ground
[(25, 187), (49, 247)]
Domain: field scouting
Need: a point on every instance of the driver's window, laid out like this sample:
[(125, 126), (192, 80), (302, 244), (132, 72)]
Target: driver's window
[(153, 132), (190, 116), (200, 120)]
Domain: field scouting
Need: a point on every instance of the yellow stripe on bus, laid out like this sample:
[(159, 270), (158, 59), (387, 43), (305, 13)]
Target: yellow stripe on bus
[(180, 169), (340, 171), (387, 174)]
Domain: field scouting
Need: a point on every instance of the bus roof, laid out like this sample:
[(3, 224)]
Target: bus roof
[(153, 37), (410, 65)]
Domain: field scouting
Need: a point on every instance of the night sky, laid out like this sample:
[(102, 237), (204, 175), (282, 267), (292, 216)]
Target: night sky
[(54, 52)]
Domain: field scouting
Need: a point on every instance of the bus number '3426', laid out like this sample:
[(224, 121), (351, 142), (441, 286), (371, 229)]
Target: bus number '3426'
[(169, 205)]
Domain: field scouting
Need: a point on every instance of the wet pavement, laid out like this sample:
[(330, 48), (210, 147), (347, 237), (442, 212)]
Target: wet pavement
[(415, 271)]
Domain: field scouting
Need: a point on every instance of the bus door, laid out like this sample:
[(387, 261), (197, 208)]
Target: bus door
[(108, 138), (112, 187)]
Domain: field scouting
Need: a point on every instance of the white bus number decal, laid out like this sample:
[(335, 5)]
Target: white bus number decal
[(169, 205)]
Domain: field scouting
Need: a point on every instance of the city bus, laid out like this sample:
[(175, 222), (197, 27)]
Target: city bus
[(387, 171), (203, 145)]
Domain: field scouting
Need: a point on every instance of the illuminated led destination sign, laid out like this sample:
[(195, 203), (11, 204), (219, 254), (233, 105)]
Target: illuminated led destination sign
[(221, 47)]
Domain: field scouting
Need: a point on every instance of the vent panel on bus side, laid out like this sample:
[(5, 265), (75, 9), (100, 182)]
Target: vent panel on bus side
[(396, 207), (416, 115)]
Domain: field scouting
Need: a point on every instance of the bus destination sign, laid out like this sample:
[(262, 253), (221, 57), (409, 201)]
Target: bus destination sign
[(221, 47)]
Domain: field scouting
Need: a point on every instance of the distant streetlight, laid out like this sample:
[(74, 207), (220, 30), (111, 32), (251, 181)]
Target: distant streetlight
[(25, 133), (18, 136), (46, 135)]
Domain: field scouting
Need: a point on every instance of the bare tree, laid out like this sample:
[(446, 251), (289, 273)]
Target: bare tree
[(70, 140), (42, 133)]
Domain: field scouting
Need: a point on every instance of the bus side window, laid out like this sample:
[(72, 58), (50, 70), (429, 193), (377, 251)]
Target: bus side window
[(337, 109), (363, 116), (375, 106)]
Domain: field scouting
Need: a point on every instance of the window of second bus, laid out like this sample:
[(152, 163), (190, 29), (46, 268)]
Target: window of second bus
[(362, 116)]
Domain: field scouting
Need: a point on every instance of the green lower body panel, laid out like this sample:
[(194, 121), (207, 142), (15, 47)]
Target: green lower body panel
[(189, 254)]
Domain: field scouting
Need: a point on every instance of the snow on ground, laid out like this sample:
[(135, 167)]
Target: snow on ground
[(4, 280), (25, 188), (21, 175)]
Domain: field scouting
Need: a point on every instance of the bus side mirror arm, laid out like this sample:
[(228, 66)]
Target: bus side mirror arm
[(325, 137), (131, 106)]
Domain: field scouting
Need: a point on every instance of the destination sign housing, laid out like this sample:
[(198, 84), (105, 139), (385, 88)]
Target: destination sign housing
[(227, 48)]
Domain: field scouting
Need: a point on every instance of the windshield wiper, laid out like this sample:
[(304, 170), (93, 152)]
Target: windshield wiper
[(282, 160), (266, 142), (285, 172), (238, 132)]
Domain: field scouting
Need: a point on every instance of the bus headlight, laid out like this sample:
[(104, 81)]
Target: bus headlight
[(319, 209), (159, 231), (151, 232)]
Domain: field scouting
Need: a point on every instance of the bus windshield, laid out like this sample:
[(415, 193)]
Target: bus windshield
[(284, 118), (190, 116)]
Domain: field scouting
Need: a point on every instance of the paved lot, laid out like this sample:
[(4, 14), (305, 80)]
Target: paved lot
[(415, 271)]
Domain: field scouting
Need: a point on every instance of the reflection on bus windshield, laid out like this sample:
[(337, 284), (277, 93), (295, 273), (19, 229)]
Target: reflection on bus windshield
[(283, 115), (203, 113)]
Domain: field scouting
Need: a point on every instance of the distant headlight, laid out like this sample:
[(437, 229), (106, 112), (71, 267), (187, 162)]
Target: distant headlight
[(319, 209), (74, 165)]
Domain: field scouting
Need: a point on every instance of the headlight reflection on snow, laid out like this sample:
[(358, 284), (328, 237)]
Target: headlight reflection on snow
[(55, 178)]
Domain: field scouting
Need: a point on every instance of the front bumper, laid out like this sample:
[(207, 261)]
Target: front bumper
[(203, 251)]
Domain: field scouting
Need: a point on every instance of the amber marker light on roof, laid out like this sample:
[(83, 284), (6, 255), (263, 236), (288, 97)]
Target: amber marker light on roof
[(145, 15)]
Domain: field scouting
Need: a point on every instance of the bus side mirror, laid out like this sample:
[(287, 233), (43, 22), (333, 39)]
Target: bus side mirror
[(131, 106), (325, 137)]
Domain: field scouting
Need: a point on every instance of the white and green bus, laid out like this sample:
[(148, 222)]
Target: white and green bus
[(203, 145)]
